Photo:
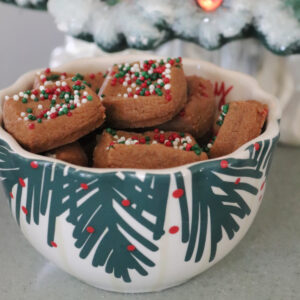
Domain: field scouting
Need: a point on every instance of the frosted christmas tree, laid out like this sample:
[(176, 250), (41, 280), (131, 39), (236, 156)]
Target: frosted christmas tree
[(186, 28)]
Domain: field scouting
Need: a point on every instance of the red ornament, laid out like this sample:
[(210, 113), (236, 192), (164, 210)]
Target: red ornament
[(90, 229), (174, 229), (178, 193), (34, 165), (130, 248), (24, 209), (126, 202), (53, 244), (84, 186), (209, 5), (224, 164)]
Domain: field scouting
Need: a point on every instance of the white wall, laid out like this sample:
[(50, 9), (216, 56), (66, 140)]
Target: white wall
[(26, 39)]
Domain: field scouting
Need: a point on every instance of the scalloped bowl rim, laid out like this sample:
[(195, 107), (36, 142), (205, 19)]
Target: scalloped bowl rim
[(272, 128)]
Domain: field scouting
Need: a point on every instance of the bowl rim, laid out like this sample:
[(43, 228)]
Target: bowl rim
[(272, 128)]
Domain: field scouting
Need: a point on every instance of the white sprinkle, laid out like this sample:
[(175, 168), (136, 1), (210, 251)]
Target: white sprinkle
[(181, 147), (168, 71), (116, 136), (119, 95), (150, 71), (125, 96), (32, 97), (21, 94), (19, 119), (62, 77), (22, 114), (154, 142), (129, 89), (58, 83), (159, 81), (135, 96), (26, 96), (42, 88), (85, 93), (162, 131), (56, 106), (167, 86), (48, 113), (53, 110), (84, 100), (67, 96), (151, 87), (43, 76), (128, 141), (175, 146), (40, 106), (25, 119), (16, 97), (78, 104), (168, 76), (125, 83), (168, 66), (209, 145), (133, 85), (6, 98), (64, 84)]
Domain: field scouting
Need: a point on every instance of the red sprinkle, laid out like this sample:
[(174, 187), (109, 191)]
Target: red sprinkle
[(182, 113), (31, 126), (92, 75), (178, 193), (69, 114), (48, 70), (126, 202), (168, 97), (130, 248), (168, 144), (188, 147), (142, 141), (174, 229), (156, 130)]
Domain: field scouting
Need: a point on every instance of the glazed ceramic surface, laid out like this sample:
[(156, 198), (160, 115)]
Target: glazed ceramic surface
[(140, 230)]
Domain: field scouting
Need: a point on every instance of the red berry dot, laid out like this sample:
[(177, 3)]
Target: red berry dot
[(126, 202), (238, 181), (178, 193), (34, 165), (22, 182), (90, 229), (84, 186), (174, 229), (130, 248), (24, 209), (224, 164), (53, 244), (256, 146)]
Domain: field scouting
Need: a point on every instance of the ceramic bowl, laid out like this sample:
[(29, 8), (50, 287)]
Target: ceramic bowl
[(174, 223)]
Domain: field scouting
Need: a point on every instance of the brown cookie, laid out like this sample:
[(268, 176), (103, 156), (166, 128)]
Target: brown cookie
[(150, 150), (239, 123), (144, 94), (48, 78), (72, 153), (48, 118), (198, 114)]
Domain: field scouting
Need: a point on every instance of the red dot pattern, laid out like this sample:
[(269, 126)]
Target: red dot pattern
[(224, 164), (90, 229), (84, 186), (174, 229), (34, 165), (126, 202), (130, 248), (178, 193)]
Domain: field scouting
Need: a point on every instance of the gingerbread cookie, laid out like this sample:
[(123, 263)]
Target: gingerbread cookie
[(238, 123), (49, 117), (198, 114), (150, 150), (49, 77), (72, 153), (144, 94)]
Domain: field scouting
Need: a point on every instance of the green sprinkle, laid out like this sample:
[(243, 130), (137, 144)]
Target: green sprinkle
[(153, 66), (79, 76), (225, 108), (74, 78), (46, 96), (67, 100), (97, 90), (146, 62), (161, 84), (83, 87), (177, 60), (168, 59), (102, 95), (65, 110), (178, 66), (24, 100), (60, 113), (52, 77), (28, 92), (30, 117), (53, 102), (138, 82), (198, 151), (45, 116), (29, 110), (182, 134), (108, 130), (72, 106), (89, 97), (123, 142), (219, 123), (39, 120), (84, 81), (35, 99), (136, 74), (117, 75), (147, 138)]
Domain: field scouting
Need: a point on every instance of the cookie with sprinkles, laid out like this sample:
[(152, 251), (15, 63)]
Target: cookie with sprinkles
[(238, 123), (72, 153), (49, 117), (144, 94), (198, 114), (48, 77), (149, 150)]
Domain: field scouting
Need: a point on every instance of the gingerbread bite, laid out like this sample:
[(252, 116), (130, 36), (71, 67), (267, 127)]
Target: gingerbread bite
[(198, 114), (150, 150), (144, 94), (49, 77), (49, 117), (238, 123), (72, 153)]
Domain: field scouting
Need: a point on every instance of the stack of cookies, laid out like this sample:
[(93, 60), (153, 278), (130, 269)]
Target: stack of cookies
[(138, 115)]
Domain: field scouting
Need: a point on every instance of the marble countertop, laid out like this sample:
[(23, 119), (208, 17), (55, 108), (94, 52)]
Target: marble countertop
[(265, 265)]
